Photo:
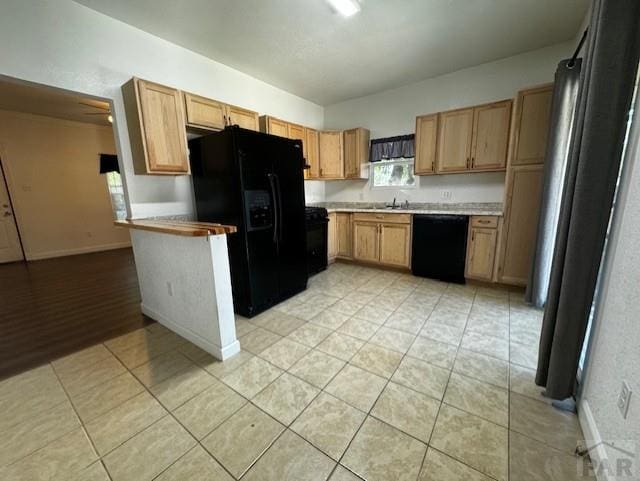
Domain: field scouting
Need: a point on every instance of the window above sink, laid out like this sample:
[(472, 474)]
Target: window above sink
[(393, 173)]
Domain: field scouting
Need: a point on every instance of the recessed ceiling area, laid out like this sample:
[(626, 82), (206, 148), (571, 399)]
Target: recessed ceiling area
[(42, 100), (308, 49)]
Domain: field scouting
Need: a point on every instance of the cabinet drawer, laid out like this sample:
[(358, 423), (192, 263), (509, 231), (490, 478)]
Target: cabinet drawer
[(484, 221), (382, 217)]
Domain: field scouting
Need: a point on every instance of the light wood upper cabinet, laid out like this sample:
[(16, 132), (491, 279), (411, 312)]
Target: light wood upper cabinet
[(246, 119), (155, 120), (481, 253), (295, 132), (343, 226), (524, 185), (426, 141), (330, 147), (273, 126), (311, 154), (356, 151), (395, 244), (533, 109), (202, 112), (365, 241), (454, 140), (491, 136)]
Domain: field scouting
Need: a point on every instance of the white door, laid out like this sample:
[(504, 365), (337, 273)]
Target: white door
[(10, 250)]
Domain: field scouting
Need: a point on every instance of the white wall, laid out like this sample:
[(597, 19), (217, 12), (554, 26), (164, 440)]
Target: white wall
[(393, 112), (614, 353), (61, 202), (66, 45)]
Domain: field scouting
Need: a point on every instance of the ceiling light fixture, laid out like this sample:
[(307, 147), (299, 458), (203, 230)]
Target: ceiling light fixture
[(345, 7)]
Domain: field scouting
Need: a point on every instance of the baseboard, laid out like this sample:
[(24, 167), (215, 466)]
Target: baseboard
[(216, 351), (77, 251), (592, 437)]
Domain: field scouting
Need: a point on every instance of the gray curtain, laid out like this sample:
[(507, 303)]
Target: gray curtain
[(604, 99), (563, 107)]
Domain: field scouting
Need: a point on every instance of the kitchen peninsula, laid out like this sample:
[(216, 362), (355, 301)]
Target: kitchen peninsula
[(185, 281)]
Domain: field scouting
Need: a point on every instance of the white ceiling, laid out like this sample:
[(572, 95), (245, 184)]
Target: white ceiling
[(42, 100), (303, 47)]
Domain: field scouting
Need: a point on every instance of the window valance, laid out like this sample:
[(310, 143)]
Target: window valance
[(402, 146)]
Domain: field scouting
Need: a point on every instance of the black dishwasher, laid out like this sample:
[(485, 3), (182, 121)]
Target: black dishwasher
[(439, 247)]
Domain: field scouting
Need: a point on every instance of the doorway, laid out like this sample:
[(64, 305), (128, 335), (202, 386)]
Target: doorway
[(10, 245), (68, 278)]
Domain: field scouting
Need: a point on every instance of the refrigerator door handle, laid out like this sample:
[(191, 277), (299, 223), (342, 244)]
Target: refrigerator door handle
[(280, 216), (276, 210)]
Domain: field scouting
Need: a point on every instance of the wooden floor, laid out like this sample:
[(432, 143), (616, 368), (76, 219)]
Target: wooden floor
[(53, 307)]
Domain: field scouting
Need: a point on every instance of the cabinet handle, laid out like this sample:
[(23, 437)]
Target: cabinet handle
[(473, 160), (484, 222), (467, 162)]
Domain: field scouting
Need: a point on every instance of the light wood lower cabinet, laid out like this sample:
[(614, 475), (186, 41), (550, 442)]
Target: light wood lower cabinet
[(395, 244), (365, 241), (343, 226), (481, 251), (332, 237), (382, 241)]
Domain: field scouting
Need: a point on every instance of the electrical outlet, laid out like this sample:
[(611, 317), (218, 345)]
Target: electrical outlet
[(624, 398), (170, 288), (445, 194)]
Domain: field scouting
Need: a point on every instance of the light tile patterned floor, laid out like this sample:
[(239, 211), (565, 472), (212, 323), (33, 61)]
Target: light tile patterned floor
[(369, 374)]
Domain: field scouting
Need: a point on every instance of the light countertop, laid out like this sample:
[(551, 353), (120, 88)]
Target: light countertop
[(415, 208)]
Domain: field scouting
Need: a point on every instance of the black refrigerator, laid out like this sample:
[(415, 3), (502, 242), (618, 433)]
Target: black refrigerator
[(255, 182)]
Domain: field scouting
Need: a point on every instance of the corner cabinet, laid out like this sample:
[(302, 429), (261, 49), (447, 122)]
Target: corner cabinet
[(155, 120)]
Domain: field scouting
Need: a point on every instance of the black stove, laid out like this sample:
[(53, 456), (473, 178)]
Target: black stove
[(317, 221)]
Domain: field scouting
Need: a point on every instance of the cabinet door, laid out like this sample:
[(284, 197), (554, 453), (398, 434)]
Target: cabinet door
[(343, 225), (247, 119), (426, 138), (164, 135), (295, 132), (332, 241), (533, 109), (311, 152), (365, 241), (491, 136), (331, 154), (277, 127), (351, 164), (481, 253), (454, 141), (204, 113), (395, 244), (524, 184)]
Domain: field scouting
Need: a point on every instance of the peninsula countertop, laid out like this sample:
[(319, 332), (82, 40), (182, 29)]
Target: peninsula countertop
[(177, 227), (486, 208)]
